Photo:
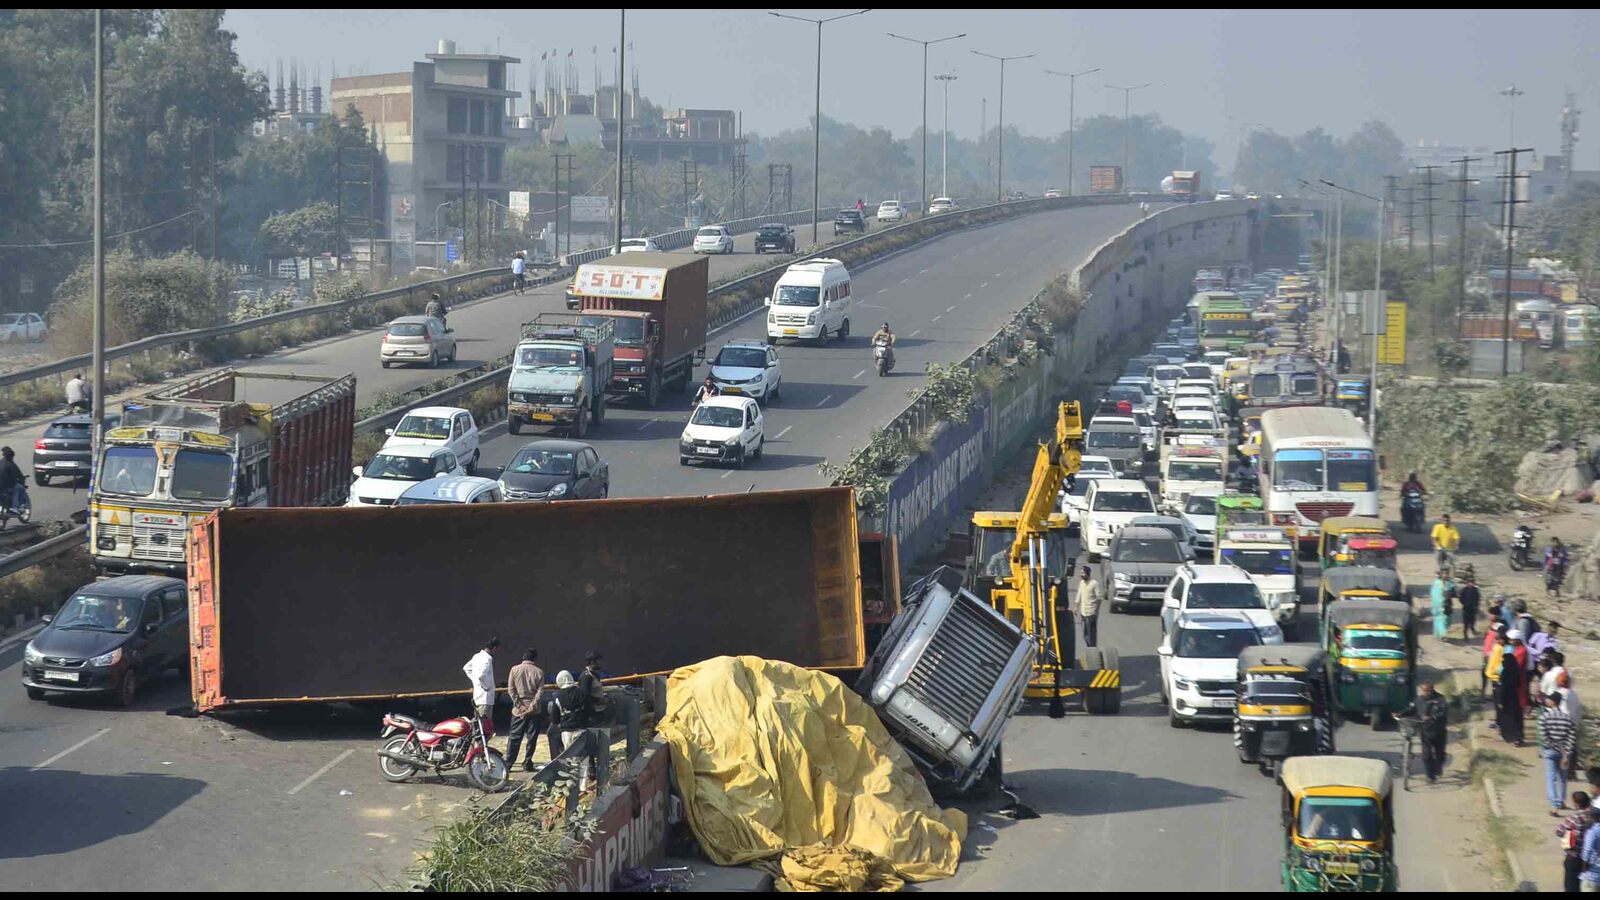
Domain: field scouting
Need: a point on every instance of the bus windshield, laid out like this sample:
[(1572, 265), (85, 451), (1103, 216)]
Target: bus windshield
[(1352, 470), (1297, 470)]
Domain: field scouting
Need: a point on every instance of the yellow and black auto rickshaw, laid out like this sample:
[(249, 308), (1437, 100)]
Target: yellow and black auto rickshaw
[(1335, 533), (1284, 706), (1338, 825), (1372, 657)]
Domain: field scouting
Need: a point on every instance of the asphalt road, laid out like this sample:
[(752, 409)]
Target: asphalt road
[(291, 798)]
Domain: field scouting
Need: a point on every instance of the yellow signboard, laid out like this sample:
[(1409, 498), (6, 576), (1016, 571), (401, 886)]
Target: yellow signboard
[(1392, 343)]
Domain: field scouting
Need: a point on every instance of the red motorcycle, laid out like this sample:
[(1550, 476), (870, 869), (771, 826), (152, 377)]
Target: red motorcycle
[(411, 745)]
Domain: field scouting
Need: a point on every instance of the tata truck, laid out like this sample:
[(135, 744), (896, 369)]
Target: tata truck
[(181, 453), (656, 305), (1183, 184), (1105, 179), (559, 373)]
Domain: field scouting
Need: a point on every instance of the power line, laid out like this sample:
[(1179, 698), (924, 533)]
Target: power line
[(1461, 239), (1510, 202), (51, 245)]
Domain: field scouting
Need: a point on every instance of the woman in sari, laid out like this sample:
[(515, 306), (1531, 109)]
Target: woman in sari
[(1443, 589), (1510, 691)]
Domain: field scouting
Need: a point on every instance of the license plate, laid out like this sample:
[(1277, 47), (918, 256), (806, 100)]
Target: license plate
[(791, 331), (1374, 695), (1223, 704), (732, 390), (543, 417), (708, 451), (57, 675)]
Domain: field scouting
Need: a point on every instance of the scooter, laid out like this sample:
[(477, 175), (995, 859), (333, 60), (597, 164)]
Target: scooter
[(1413, 510), (411, 745), (22, 509), (1521, 548), (883, 357)]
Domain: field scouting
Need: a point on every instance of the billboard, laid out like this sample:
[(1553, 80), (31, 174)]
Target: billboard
[(591, 208), (519, 202), (628, 282), (1392, 343)]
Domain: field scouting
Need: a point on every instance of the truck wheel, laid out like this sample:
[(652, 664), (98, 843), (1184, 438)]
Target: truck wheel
[(581, 427), (599, 409), (772, 341), (652, 390), (513, 425)]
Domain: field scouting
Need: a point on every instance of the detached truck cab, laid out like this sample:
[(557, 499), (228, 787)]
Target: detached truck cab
[(184, 452), (559, 373), (656, 304)]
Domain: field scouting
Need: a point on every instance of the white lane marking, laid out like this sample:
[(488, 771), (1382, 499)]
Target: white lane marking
[(859, 374), (648, 424), (824, 400), (75, 747), (321, 772), (967, 297), (904, 280), (727, 473), (883, 290), (922, 272), (952, 308), (937, 318), (779, 435), (997, 274), (917, 332), (984, 285)]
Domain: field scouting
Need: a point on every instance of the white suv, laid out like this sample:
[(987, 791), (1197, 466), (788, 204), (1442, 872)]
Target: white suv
[(1200, 665), (891, 211), (748, 368), (1213, 588), (713, 239), (440, 426), (1109, 504)]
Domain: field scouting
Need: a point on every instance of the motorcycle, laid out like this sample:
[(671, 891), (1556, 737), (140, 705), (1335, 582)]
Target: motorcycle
[(1521, 548), (411, 745), (21, 509), (883, 357), (1413, 510)]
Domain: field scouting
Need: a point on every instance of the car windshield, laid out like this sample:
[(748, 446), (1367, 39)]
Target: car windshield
[(1113, 440), (1352, 470), (202, 475), (1123, 501), (710, 232), (1339, 819), (407, 329), (1147, 550), (129, 470), (718, 416), (1280, 691), (1260, 560), (549, 358), (1200, 505), (1237, 516), (399, 468), (536, 461), (90, 613), (1197, 370), (1194, 470), (428, 428), (1214, 643), (741, 357), (1297, 470), (1373, 643), (796, 295), (1306, 385), (1080, 487), (1224, 595), (1168, 373), (626, 331), (1192, 422), (1128, 392)]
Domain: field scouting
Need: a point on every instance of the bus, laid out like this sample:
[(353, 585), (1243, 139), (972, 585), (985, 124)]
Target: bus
[(1285, 381), (1316, 462)]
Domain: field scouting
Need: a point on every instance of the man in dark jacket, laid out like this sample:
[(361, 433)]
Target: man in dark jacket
[(594, 691), (10, 479), (1434, 711)]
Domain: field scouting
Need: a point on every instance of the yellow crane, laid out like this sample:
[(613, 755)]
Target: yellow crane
[(1019, 561)]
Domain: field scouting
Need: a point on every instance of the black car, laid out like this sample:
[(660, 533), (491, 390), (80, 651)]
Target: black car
[(849, 220), (775, 236), (112, 636), (556, 470), (63, 451)]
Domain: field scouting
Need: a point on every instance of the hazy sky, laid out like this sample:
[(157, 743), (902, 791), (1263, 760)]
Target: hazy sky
[(1432, 75)]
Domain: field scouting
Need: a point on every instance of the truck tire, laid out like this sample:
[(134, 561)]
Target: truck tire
[(513, 425), (599, 409), (1092, 660), (581, 427), (1112, 704), (652, 389)]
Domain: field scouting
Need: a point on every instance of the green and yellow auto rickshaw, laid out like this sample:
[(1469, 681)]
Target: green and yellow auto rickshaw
[(1358, 583), (1338, 825), (1372, 657), (1284, 706), (1236, 510), (1335, 533)]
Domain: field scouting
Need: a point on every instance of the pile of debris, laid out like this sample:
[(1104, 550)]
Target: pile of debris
[(1556, 471)]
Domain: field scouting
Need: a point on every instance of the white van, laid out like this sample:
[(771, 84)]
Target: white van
[(811, 301)]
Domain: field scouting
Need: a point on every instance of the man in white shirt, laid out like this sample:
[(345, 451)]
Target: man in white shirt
[(519, 270), (480, 671), (78, 393)]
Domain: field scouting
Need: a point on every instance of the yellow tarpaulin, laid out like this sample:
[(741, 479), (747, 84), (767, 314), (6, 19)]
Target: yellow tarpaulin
[(773, 759)]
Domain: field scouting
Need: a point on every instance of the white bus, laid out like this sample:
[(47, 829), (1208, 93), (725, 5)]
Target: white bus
[(1316, 462)]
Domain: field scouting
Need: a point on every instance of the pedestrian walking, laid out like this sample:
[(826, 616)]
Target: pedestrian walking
[(1088, 595), (1493, 647), (1439, 596), (480, 671), (1510, 690), (525, 684), (573, 707), (1446, 540), (519, 271), (78, 394), (1434, 711), (1589, 878), (1470, 598), (1556, 732), (1571, 832)]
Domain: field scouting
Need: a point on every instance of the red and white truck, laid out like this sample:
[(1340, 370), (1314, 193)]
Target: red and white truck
[(1183, 184), (657, 303)]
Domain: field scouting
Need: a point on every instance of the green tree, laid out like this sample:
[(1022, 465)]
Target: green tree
[(144, 296), (306, 231)]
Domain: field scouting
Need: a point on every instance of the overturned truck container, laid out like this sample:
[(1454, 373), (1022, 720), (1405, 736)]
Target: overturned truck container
[(298, 605)]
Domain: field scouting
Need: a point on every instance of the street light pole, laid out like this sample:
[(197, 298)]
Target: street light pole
[(1072, 117), (1000, 147), (1377, 311), (925, 46), (816, 142), (1127, 92), (1513, 92), (622, 52), (97, 409), (944, 137)]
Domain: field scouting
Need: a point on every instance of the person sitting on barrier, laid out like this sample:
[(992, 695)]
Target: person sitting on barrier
[(572, 705), (436, 308)]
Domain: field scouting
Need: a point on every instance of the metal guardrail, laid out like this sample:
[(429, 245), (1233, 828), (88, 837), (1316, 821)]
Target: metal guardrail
[(38, 553), (682, 237)]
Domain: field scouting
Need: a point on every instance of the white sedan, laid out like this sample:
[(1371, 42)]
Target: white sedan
[(639, 245), (713, 239), (941, 205)]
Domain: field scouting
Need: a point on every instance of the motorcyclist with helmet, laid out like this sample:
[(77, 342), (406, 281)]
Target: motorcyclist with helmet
[(884, 337)]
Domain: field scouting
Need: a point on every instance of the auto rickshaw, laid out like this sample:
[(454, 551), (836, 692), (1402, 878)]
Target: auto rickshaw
[(1235, 510), (1345, 583), (1285, 708), (1335, 533), (1372, 657), (1351, 394), (1338, 825)]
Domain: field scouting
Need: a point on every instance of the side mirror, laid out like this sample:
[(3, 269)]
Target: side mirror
[(1164, 650), (767, 302), (150, 628), (357, 471), (388, 432), (47, 619)]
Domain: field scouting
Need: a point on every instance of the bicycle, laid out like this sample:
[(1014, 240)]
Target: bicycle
[(22, 511), (1410, 727)]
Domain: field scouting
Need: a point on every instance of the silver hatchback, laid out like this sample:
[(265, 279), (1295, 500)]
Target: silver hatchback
[(417, 339)]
